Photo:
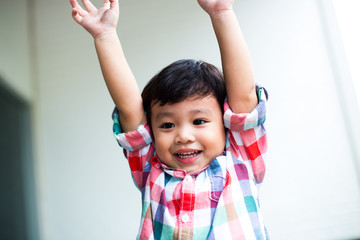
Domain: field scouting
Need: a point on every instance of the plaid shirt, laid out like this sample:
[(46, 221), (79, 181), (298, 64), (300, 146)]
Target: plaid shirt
[(217, 202)]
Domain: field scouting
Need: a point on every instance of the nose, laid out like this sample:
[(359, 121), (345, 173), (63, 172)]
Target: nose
[(184, 135)]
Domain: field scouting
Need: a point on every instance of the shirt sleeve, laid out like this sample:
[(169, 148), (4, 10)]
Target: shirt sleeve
[(137, 145), (247, 136)]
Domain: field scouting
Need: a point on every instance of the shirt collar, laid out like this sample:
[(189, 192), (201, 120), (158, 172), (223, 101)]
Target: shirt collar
[(214, 169)]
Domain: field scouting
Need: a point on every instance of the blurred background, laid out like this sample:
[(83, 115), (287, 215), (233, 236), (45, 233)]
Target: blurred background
[(62, 174)]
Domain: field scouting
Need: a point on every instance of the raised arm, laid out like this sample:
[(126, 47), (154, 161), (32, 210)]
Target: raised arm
[(101, 24), (235, 57)]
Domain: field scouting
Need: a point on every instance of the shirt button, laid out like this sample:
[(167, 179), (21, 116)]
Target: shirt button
[(188, 178), (185, 218)]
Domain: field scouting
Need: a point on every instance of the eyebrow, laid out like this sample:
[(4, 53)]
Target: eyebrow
[(162, 115), (203, 110)]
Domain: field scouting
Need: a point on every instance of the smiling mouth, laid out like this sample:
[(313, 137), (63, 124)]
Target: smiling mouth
[(187, 154)]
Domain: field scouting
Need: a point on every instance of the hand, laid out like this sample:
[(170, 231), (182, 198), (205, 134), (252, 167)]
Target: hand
[(213, 7), (96, 21)]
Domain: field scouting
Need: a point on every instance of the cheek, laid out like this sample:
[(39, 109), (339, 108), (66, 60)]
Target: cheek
[(217, 130), (216, 138), (162, 143)]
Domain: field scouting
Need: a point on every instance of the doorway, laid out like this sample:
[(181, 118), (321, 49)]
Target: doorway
[(18, 214)]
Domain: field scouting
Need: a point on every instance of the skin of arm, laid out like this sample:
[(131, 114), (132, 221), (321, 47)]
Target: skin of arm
[(101, 24), (235, 58)]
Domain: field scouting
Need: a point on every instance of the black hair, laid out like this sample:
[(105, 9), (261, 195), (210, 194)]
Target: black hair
[(183, 79)]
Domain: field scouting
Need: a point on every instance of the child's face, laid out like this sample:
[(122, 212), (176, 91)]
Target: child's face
[(189, 134)]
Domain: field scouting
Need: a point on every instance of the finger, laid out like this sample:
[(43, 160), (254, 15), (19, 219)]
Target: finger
[(89, 6), (114, 4), (74, 3), (106, 4), (76, 16), (78, 8)]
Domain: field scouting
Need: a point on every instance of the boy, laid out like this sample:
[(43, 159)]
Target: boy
[(198, 179)]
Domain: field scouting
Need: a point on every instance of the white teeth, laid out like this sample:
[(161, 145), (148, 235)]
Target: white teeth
[(187, 155)]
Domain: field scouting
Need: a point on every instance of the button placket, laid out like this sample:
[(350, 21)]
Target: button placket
[(187, 205)]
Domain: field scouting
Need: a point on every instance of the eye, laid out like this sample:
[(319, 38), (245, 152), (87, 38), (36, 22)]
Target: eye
[(199, 122), (167, 125)]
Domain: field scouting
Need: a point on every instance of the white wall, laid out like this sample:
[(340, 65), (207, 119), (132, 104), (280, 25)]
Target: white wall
[(348, 19), (312, 188), (15, 65), (86, 192)]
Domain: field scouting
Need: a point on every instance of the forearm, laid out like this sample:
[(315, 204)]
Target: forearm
[(236, 62), (120, 81)]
